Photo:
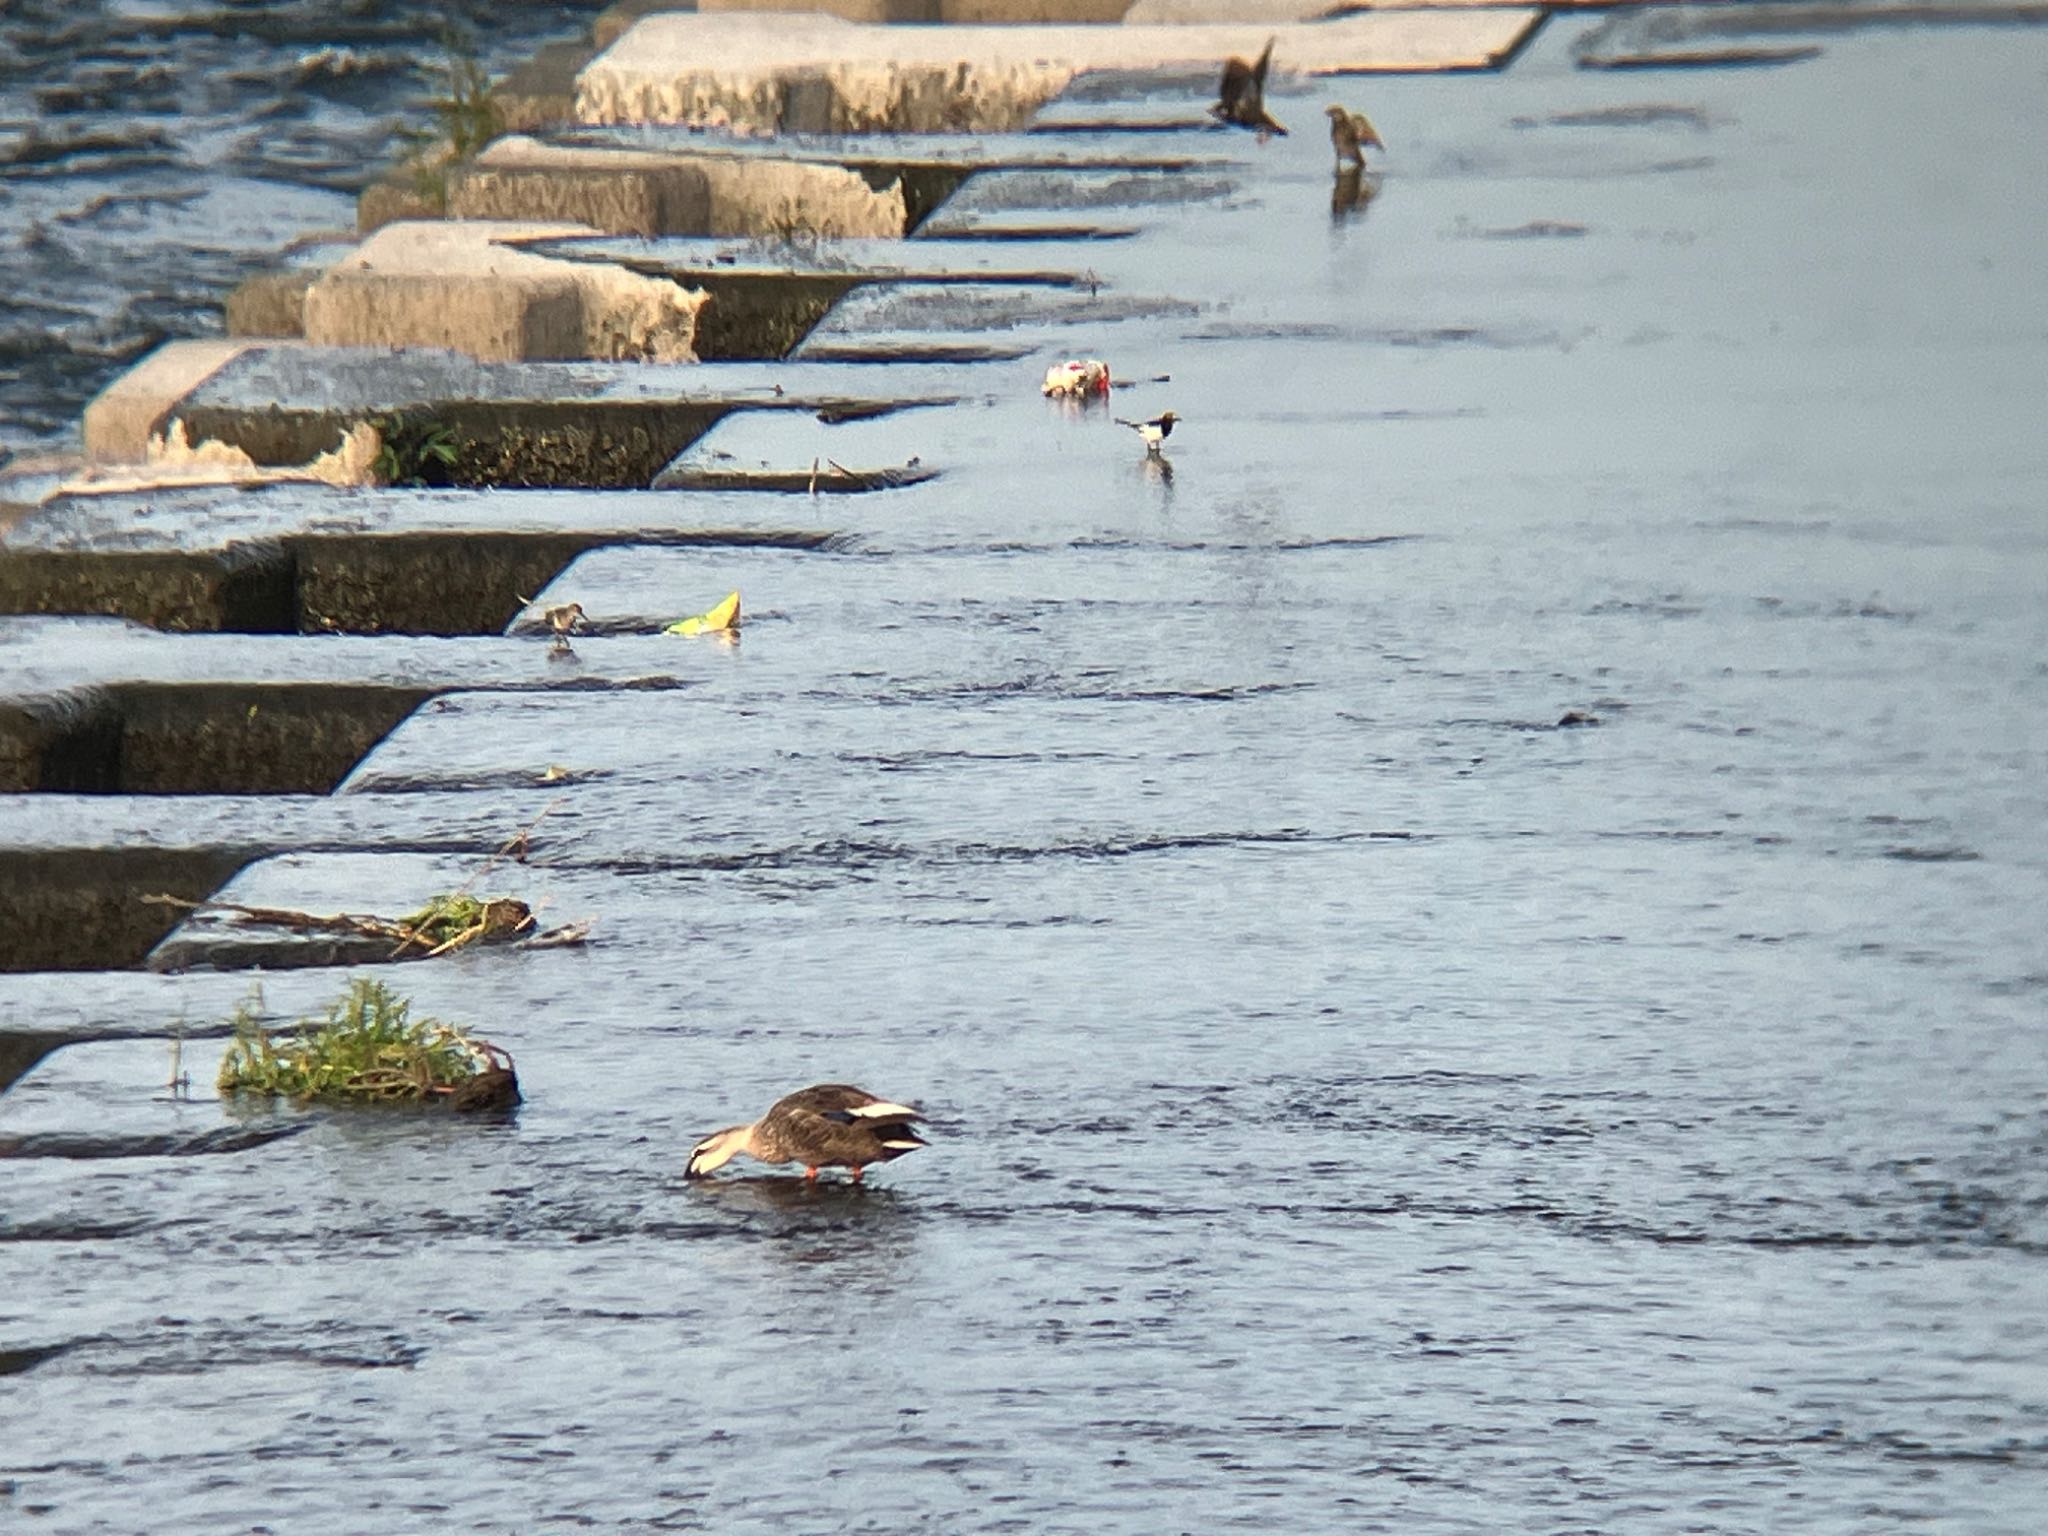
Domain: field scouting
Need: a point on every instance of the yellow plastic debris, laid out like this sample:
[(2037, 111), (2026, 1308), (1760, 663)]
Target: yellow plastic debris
[(720, 620)]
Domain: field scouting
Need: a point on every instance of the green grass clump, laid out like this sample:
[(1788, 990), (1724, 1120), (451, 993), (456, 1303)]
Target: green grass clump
[(369, 1048)]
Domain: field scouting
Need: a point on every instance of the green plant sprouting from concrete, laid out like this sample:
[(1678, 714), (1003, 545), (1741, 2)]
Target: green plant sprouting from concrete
[(368, 1049), (415, 451), (467, 117)]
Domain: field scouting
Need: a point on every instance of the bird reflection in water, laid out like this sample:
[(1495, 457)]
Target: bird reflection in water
[(1159, 470), (1351, 194), (864, 1230), (769, 1194)]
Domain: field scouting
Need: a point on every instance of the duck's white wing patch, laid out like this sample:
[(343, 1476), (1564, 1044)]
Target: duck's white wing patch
[(886, 1111)]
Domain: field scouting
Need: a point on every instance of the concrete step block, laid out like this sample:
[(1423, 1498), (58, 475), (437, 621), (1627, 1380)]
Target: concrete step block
[(617, 191), (462, 285), (623, 190), (1031, 12), (121, 419), (819, 73), (871, 11)]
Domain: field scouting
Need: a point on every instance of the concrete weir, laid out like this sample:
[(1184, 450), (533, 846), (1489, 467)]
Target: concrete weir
[(585, 317), (467, 286)]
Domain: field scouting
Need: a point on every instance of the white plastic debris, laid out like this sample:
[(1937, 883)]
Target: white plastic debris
[(1076, 379)]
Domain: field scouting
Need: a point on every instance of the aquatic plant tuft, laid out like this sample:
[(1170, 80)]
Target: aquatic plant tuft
[(368, 1049)]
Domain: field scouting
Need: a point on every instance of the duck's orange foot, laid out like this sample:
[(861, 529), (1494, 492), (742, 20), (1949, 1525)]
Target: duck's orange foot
[(856, 1174), (810, 1173)]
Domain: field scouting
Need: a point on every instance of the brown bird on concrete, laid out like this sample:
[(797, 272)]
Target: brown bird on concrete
[(831, 1125), (1348, 132), (562, 621), (1241, 98)]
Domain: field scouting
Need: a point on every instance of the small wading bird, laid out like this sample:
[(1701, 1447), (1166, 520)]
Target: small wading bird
[(831, 1125), (1242, 95), (1349, 131), (562, 621), (1155, 431)]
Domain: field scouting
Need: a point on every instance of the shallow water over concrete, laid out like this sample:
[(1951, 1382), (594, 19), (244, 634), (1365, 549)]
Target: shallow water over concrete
[(1359, 1098)]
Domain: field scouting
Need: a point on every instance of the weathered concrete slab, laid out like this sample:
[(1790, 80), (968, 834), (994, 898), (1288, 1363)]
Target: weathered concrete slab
[(870, 322), (461, 580), (395, 198), (243, 587), (73, 908), (270, 304), (541, 91), (450, 419), (884, 154), (764, 303), (210, 521), (751, 71), (120, 419), (61, 658), (971, 12), (617, 19), (464, 285), (719, 470), (651, 192), (1030, 12), (1256, 13), (906, 449), (924, 260), (184, 737), (1251, 13), (1021, 226), (616, 191), (890, 12)]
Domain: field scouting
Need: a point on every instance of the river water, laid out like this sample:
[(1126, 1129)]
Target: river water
[(208, 137), (1358, 1100)]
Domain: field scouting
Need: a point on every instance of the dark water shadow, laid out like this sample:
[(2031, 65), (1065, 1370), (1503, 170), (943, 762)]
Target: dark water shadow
[(85, 1146), (14, 1362)]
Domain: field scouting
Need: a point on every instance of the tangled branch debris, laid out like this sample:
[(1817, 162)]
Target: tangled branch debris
[(368, 1049), (450, 921)]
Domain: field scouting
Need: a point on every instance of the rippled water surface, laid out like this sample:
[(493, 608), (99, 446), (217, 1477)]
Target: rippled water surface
[(1474, 953), (152, 154)]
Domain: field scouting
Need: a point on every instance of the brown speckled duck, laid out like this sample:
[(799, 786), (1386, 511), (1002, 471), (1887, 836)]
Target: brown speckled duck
[(831, 1125)]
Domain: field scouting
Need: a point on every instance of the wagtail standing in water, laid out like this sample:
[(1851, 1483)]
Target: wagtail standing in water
[(1242, 95), (1154, 432)]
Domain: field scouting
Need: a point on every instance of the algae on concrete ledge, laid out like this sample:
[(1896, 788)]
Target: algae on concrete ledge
[(369, 1049)]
